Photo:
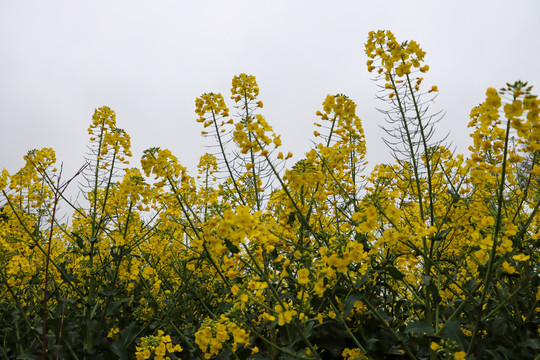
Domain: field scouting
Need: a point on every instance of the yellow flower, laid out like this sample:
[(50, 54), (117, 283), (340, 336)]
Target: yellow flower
[(509, 269), (161, 350), (492, 98), (352, 354), (514, 109), (521, 257), (285, 317), (460, 355), (113, 332), (303, 276), (244, 298), (482, 256), (146, 354), (331, 315)]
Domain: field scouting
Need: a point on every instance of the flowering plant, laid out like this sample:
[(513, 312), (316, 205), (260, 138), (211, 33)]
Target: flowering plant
[(432, 256)]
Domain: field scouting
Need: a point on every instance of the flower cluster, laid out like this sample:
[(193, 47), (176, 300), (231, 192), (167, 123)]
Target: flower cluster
[(396, 62), (109, 137), (159, 346), (214, 334), (245, 87), (382, 45)]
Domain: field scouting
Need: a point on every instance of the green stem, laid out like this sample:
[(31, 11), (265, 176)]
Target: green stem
[(222, 148)]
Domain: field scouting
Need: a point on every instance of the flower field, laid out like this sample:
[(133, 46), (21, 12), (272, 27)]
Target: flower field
[(434, 256)]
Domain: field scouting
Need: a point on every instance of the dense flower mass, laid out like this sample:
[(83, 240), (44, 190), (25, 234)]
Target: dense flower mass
[(434, 255)]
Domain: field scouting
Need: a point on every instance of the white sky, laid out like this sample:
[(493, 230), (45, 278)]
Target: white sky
[(149, 60)]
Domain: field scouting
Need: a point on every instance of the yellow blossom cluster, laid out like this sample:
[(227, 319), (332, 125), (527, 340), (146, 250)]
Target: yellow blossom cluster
[(213, 334), (210, 103), (159, 346), (383, 46), (353, 354), (163, 164), (108, 136), (245, 87), (396, 62)]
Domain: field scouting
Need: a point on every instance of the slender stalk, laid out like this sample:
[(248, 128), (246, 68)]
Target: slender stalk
[(44, 349), (222, 148), (252, 155)]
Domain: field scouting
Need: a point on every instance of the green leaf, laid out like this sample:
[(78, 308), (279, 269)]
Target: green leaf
[(394, 272), (78, 240), (453, 332), (371, 344), (113, 307), (125, 338), (442, 235), (420, 327), (532, 343), (28, 356), (118, 348), (349, 304), (129, 333), (231, 247)]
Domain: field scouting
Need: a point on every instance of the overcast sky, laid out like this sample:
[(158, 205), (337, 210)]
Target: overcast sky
[(149, 60)]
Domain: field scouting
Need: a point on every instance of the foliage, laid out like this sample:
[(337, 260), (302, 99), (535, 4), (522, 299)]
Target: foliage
[(433, 256)]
